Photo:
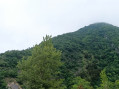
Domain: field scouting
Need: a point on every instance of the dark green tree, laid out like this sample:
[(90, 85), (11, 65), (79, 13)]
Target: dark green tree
[(41, 70), (2, 82)]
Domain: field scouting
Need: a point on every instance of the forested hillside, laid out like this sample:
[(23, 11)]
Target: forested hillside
[(89, 50), (90, 58)]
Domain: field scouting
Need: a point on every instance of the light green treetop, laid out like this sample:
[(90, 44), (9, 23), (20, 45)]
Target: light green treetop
[(40, 70)]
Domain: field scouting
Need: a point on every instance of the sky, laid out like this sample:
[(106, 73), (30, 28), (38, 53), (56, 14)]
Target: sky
[(23, 23)]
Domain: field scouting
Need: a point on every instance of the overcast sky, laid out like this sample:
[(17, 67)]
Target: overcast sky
[(23, 23)]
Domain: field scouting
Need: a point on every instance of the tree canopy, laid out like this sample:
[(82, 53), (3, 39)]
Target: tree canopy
[(40, 71)]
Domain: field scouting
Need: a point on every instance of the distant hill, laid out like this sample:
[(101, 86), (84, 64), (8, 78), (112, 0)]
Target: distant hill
[(84, 53)]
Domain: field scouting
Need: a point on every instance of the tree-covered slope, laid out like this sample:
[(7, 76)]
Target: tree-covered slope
[(8, 62), (85, 53)]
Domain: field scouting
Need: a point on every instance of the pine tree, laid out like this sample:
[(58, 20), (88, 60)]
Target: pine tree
[(40, 71)]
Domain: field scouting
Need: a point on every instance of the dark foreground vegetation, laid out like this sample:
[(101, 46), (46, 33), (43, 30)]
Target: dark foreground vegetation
[(85, 59)]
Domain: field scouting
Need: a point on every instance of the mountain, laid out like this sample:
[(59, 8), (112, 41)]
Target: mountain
[(85, 53), (90, 49)]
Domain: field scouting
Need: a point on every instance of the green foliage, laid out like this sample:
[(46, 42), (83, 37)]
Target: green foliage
[(105, 82), (84, 53), (97, 45), (116, 84), (8, 62), (10, 58), (41, 70), (80, 83), (2, 82)]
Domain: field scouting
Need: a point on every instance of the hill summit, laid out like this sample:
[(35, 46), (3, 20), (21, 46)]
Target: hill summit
[(89, 50)]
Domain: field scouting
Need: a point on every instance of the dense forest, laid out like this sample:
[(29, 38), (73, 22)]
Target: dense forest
[(85, 59)]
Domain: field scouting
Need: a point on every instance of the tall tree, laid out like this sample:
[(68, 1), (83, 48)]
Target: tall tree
[(106, 84), (40, 71)]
